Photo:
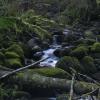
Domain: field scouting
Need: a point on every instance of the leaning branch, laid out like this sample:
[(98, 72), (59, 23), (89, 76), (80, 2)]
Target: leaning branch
[(21, 69)]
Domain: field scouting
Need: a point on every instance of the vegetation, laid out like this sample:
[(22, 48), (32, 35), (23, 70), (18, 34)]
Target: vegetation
[(66, 31)]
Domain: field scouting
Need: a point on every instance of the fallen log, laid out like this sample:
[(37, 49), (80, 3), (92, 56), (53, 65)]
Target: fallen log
[(30, 82)]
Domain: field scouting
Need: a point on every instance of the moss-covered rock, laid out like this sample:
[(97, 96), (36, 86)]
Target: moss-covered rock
[(88, 64), (13, 63), (11, 55), (52, 72), (89, 34), (96, 47), (80, 51), (68, 62), (17, 49)]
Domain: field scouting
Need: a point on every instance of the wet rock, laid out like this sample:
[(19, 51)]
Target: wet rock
[(57, 33), (35, 49), (65, 51), (57, 52), (38, 55), (31, 42), (65, 44), (70, 37), (45, 45)]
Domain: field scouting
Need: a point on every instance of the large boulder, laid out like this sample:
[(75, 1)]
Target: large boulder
[(89, 65), (80, 51), (68, 62)]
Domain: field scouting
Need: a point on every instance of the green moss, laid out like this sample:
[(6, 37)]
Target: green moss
[(13, 63), (17, 49), (11, 55), (52, 72), (89, 34), (66, 62), (88, 64), (80, 51), (96, 47)]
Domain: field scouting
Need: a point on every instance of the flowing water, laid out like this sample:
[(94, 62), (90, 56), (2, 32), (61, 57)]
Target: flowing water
[(52, 60)]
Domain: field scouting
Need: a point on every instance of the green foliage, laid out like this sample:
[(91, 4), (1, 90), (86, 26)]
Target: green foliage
[(80, 51), (13, 63), (52, 72), (3, 92), (88, 64), (17, 49), (11, 55), (68, 62), (96, 47)]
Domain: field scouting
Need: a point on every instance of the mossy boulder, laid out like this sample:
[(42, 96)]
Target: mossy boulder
[(13, 63), (52, 72), (96, 47), (17, 49), (68, 62), (89, 34), (80, 51), (89, 65), (11, 55)]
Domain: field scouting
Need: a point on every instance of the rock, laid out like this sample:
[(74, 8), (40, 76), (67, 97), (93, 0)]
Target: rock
[(70, 37), (37, 55), (65, 51), (66, 62), (64, 44), (96, 76), (31, 42), (89, 34), (57, 52), (95, 47), (35, 49), (80, 51), (45, 45), (57, 33), (88, 65)]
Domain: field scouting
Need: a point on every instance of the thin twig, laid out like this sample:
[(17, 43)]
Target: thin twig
[(84, 95), (21, 69), (72, 86)]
